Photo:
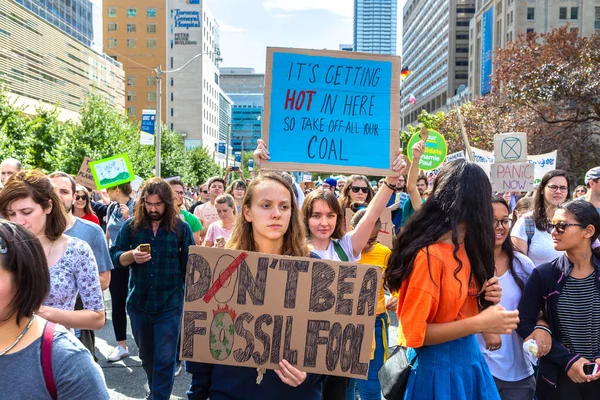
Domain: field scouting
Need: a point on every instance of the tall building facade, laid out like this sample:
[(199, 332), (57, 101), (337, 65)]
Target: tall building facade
[(74, 17), (134, 33), (43, 66), (225, 110), (435, 41), (375, 26), (498, 22), (246, 89)]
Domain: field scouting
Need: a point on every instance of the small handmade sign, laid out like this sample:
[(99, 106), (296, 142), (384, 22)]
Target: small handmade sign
[(254, 310), (84, 175), (435, 152), (112, 171)]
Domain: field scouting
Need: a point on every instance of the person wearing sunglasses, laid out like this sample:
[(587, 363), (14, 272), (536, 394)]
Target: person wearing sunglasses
[(512, 371), (82, 208), (567, 291), (580, 191), (358, 189), (530, 233)]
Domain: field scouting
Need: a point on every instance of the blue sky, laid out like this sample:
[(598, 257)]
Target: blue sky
[(248, 26)]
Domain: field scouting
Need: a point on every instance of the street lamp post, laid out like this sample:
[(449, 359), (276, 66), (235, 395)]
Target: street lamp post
[(159, 74)]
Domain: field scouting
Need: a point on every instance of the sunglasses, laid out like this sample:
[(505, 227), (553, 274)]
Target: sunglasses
[(506, 223), (561, 227), (82, 197), (205, 191), (357, 189)]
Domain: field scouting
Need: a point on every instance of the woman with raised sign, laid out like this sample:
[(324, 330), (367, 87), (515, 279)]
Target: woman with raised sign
[(443, 266), (270, 223)]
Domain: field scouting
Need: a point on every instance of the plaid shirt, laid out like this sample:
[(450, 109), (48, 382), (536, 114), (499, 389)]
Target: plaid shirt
[(156, 285)]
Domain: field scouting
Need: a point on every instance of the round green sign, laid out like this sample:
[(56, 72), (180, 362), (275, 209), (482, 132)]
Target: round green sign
[(435, 153)]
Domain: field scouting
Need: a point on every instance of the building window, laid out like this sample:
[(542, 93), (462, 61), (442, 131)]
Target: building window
[(574, 12), (112, 27), (171, 96), (562, 13), (530, 13), (131, 96), (151, 96), (131, 28), (151, 12), (172, 81), (151, 81), (171, 112), (131, 111), (131, 81), (151, 43), (172, 126), (131, 12), (112, 43), (112, 12), (131, 43), (150, 28), (530, 31)]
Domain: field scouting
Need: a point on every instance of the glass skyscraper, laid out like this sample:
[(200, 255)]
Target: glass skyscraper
[(375, 26), (74, 17)]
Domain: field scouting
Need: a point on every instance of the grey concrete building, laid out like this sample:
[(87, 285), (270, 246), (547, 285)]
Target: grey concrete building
[(375, 26)]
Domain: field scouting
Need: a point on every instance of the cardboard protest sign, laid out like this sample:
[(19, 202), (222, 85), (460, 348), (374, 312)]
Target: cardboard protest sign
[(331, 111), (435, 152), (252, 309), (513, 177), (510, 147), (112, 171), (84, 176), (543, 163), (386, 233)]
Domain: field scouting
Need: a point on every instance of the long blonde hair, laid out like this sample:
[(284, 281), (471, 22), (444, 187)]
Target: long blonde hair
[(294, 239)]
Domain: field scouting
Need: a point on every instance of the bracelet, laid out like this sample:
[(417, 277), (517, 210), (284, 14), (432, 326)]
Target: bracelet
[(389, 185), (543, 328)]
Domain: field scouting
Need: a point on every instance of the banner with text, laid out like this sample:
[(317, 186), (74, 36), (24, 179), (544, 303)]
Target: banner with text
[(252, 309), (331, 111), (543, 163), (84, 175)]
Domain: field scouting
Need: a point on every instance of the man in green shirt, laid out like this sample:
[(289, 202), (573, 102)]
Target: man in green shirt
[(193, 221)]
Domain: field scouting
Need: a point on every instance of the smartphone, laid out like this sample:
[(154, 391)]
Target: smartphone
[(145, 248), (590, 368), (235, 168)]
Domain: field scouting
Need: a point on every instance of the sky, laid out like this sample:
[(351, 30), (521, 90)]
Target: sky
[(248, 27)]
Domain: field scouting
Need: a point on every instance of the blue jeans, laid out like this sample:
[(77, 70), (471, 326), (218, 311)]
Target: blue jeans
[(370, 389), (156, 335)]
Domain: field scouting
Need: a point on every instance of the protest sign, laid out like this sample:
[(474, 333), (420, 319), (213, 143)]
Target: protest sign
[(430, 175), (84, 176), (543, 163), (251, 309), (331, 111), (112, 171), (435, 152), (513, 177), (386, 232), (510, 147)]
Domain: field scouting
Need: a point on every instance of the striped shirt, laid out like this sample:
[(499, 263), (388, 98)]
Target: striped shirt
[(579, 316)]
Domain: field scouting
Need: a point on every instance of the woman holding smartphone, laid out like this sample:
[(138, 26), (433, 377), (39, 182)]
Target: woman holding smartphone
[(567, 291), (442, 264)]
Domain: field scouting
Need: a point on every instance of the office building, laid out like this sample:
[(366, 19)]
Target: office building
[(225, 109), (43, 66), (136, 33), (74, 17), (497, 23), (435, 41), (375, 26), (135, 36), (246, 89)]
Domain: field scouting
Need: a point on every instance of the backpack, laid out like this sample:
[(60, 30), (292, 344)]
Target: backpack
[(337, 247), (46, 358), (529, 229)]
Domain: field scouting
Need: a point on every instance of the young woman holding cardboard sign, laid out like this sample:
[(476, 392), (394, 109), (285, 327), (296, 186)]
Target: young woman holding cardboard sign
[(270, 223), (443, 266)]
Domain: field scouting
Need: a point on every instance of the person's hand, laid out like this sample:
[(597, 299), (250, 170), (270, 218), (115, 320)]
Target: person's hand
[(229, 169), (576, 373), (493, 290), (418, 150), (240, 173), (45, 312), (141, 257), (495, 319), (261, 152), (391, 304), (398, 166), (124, 210), (289, 374), (543, 341), (493, 341)]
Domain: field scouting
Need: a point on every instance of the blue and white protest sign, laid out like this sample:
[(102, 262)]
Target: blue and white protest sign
[(148, 127), (331, 111)]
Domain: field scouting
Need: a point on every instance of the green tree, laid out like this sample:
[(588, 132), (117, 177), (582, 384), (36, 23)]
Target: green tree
[(201, 166)]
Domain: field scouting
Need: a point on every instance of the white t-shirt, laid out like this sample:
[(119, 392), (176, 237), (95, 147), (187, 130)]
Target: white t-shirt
[(509, 363), (330, 254), (206, 213), (541, 249)]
